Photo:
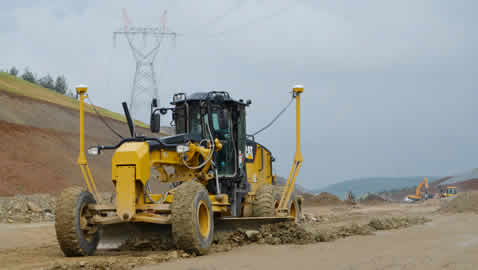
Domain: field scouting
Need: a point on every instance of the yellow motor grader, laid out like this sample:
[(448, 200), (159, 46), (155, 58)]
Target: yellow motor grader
[(214, 171)]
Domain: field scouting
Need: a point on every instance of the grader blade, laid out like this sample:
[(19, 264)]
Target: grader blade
[(131, 236)]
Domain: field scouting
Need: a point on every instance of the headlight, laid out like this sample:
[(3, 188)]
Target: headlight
[(182, 148), (94, 151)]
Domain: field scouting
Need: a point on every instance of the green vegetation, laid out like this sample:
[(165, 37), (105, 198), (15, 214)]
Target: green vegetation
[(15, 85)]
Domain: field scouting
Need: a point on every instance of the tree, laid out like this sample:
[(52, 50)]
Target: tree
[(29, 76), (13, 71), (71, 94), (60, 84), (47, 82)]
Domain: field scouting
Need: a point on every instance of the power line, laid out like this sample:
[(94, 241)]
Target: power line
[(250, 23), (275, 118), (103, 119), (221, 17)]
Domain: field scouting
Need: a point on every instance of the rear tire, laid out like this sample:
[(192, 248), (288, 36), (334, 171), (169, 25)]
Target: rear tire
[(192, 218), (263, 205), (75, 236)]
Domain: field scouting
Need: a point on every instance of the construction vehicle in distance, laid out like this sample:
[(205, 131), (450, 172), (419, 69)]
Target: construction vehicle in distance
[(350, 198), (214, 171), (450, 191), (418, 196)]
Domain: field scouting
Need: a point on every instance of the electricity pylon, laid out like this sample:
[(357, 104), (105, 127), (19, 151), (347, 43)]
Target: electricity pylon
[(144, 82)]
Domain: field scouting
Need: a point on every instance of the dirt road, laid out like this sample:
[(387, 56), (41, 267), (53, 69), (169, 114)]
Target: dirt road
[(448, 242)]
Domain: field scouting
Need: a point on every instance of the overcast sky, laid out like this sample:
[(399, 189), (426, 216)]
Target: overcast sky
[(390, 86)]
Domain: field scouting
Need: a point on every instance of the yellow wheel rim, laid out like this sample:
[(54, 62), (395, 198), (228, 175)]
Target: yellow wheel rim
[(203, 219)]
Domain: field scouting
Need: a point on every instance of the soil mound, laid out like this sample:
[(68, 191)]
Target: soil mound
[(324, 198), (291, 233), (463, 202), (395, 222), (371, 198)]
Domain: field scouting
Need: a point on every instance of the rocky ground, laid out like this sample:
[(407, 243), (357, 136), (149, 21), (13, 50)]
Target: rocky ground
[(31, 208), (27, 246), (27, 208), (36, 247)]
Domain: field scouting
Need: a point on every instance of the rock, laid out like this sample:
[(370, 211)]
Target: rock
[(17, 206), (252, 235), (276, 241), (310, 218), (185, 255), (173, 254), (33, 207), (9, 220), (82, 264)]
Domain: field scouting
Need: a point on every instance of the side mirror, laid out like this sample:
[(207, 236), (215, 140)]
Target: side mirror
[(223, 119), (155, 123)]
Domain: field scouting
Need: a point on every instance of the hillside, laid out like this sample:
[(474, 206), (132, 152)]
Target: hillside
[(39, 131), (298, 188), (466, 181), (361, 186), (17, 86)]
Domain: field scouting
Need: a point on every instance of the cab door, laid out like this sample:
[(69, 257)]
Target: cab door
[(221, 126)]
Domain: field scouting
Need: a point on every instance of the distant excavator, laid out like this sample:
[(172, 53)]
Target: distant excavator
[(350, 198), (418, 194)]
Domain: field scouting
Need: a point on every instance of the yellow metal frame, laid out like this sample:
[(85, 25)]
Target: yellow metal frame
[(289, 187), (132, 163), (85, 169)]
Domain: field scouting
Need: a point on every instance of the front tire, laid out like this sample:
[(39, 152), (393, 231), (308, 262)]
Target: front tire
[(192, 218), (75, 236)]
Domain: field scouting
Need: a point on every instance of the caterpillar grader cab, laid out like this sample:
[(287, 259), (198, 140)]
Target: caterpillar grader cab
[(213, 169)]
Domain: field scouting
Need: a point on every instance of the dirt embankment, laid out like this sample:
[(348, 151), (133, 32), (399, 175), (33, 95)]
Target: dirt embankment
[(372, 199), (463, 202), (322, 199), (40, 144)]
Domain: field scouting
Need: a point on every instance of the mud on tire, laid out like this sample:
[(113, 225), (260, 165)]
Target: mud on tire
[(263, 205), (192, 218), (75, 241)]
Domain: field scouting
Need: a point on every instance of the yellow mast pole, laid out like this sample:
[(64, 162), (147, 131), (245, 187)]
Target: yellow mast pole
[(289, 187), (81, 91), (85, 170)]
